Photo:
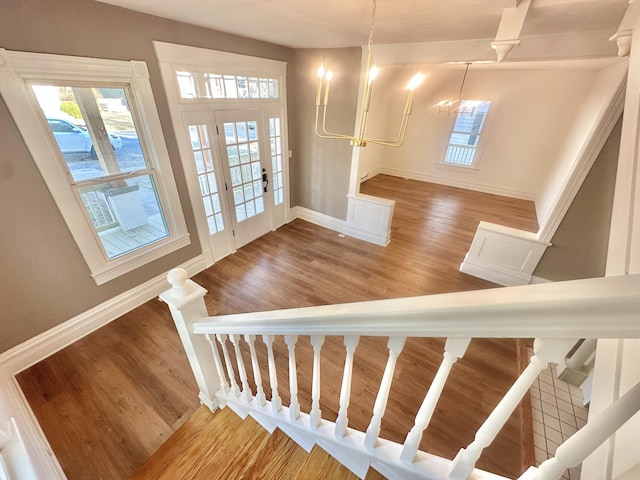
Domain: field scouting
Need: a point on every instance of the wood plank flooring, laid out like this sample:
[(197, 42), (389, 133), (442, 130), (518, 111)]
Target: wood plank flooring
[(221, 446), (107, 402)]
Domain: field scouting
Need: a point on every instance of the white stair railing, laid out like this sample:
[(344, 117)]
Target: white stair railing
[(556, 314)]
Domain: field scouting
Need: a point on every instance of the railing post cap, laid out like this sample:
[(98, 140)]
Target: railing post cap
[(178, 278), (183, 291)]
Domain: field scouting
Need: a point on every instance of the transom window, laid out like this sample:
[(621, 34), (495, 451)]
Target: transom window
[(215, 85), (465, 136)]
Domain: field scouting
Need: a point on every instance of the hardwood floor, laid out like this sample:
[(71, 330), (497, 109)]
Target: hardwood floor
[(221, 446), (107, 402)]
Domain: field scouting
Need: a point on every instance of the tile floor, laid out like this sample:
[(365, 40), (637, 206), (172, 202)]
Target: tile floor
[(557, 413)]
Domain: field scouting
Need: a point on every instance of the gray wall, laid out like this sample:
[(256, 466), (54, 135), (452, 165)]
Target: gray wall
[(44, 280), (579, 246), (320, 168)]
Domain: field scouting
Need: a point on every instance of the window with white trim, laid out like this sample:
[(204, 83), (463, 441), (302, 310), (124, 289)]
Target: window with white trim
[(465, 137), (93, 130)]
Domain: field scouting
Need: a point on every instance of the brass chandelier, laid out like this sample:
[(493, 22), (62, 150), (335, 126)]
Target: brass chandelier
[(359, 140)]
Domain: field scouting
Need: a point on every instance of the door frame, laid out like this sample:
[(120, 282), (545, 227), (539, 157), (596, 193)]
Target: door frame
[(174, 58)]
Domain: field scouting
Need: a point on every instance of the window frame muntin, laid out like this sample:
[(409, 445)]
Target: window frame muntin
[(18, 71), (494, 99)]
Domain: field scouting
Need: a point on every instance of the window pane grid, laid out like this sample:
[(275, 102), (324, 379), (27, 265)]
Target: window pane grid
[(96, 135), (465, 136), (276, 159), (203, 161), (217, 86), (244, 166)]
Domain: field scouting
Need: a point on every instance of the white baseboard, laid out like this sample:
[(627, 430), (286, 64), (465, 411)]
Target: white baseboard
[(36, 349), (340, 226), (368, 235), (496, 190), (321, 219), (493, 274), (371, 174)]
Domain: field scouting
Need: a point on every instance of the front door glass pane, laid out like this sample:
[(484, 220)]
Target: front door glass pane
[(242, 147)]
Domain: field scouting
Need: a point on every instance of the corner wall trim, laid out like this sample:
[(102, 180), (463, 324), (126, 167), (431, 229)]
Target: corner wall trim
[(28, 353)]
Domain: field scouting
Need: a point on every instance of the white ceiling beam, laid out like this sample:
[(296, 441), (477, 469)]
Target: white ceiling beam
[(623, 36), (511, 23)]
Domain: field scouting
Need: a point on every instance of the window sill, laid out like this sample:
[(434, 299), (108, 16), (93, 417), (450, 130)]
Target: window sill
[(457, 168), (139, 258)]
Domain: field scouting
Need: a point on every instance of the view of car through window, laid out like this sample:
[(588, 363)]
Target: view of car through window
[(94, 130)]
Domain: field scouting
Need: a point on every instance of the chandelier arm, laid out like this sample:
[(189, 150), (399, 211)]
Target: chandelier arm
[(326, 134), (399, 138)]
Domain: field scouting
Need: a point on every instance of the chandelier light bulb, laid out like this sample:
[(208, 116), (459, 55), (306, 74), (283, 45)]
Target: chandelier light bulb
[(373, 73), (321, 71), (329, 75), (415, 81)]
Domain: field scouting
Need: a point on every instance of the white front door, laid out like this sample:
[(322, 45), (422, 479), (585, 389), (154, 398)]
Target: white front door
[(243, 141)]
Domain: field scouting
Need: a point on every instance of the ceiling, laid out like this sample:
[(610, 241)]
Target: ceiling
[(346, 23)]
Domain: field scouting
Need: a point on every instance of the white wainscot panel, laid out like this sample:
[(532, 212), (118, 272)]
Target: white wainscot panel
[(369, 218), (503, 255)]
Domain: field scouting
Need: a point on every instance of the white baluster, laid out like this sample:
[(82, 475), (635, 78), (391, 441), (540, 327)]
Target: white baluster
[(582, 443), (350, 342), (186, 303), (294, 407), (260, 397), (276, 402), (454, 349), (230, 371), (395, 345), (224, 386), (316, 415), (545, 351), (246, 390)]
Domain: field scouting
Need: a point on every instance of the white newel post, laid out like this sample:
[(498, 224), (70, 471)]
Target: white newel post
[(546, 350), (186, 303)]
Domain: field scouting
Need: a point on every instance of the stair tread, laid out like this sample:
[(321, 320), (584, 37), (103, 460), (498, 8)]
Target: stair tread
[(320, 464), (280, 458), (206, 446), (223, 446)]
